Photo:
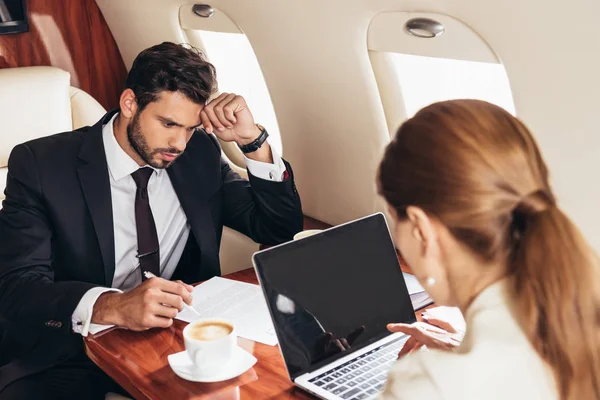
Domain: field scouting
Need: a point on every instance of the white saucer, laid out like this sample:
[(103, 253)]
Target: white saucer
[(183, 367)]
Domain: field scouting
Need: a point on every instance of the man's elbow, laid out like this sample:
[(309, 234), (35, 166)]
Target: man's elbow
[(295, 224), (298, 225), (278, 232)]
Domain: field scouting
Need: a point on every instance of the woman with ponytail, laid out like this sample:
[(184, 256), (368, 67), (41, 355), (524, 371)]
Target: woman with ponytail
[(477, 221)]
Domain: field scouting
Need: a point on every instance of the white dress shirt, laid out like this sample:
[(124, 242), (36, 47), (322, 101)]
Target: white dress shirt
[(171, 223), (495, 361)]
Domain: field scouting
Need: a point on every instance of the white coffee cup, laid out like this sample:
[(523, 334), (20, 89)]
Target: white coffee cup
[(306, 233), (210, 343)]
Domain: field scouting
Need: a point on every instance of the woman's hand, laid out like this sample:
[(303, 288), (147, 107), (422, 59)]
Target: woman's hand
[(426, 334)]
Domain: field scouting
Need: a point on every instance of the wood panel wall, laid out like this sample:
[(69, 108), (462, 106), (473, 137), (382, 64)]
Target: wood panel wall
[(71, 35)]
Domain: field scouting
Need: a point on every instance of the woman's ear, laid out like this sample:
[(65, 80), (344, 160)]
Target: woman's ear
[(423, 229)]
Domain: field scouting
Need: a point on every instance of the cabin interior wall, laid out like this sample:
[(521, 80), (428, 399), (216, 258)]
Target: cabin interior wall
[(315, 61), (71, 35)]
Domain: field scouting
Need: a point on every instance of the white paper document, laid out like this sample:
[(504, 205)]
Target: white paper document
[(241, 303), (412, 284)]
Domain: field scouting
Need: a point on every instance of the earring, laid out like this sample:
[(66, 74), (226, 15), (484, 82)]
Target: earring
[(430, 281)]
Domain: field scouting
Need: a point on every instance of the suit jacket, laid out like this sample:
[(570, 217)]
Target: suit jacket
[(495, 361), (57, 236)]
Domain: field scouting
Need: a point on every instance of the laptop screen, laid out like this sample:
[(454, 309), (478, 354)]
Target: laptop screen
[(333, 291)]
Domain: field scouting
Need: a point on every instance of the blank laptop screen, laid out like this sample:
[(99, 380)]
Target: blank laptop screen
[(342, 285)]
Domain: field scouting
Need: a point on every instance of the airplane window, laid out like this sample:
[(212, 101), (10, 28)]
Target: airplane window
[(238, 72), (425, 80)]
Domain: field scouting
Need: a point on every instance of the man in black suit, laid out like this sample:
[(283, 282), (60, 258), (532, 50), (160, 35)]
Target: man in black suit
[(87, 212)]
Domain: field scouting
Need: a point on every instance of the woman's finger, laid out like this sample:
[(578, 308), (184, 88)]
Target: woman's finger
[(447, 326), (425, 327), (408, 329), (422, 333), (435, 341), (410, 344)]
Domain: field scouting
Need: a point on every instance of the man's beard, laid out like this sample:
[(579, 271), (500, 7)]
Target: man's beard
[(139, 144)]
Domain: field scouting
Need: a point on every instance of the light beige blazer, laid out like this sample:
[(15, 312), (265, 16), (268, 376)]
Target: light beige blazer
[(494, 362)]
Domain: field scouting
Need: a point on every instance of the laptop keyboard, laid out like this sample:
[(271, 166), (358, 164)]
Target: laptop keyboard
[(364, 376)]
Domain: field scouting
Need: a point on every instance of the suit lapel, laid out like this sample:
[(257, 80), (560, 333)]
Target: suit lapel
[(193, 188), (95, 183)]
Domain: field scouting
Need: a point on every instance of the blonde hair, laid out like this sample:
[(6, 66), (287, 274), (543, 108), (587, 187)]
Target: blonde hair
[(478, 170)]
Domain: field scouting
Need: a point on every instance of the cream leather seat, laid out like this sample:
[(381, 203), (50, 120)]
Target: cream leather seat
[(39, 101), (36, 102)]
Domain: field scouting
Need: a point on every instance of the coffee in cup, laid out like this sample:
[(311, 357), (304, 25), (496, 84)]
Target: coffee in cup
[(210, 343), (210, 330)]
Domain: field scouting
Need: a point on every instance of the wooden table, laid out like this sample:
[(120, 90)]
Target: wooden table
[(138, 362)]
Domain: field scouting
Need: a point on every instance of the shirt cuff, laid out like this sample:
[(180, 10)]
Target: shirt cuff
[(269, 172), (82, 316)]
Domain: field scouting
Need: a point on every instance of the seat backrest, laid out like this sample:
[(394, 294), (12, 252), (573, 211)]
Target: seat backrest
[(37, 102)]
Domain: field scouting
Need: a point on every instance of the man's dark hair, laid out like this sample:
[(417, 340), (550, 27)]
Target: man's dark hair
[(174, 68)]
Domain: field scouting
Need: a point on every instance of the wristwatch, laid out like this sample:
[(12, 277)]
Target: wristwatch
[(255, 145)]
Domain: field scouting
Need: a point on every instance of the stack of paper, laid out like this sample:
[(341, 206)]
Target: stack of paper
[(241, 303), (418, 295)]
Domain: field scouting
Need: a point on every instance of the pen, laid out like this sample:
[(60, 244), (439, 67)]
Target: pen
[(186, 306)]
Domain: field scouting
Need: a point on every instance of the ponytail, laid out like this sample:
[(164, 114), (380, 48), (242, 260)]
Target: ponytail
[(558, 293), (472, 165)]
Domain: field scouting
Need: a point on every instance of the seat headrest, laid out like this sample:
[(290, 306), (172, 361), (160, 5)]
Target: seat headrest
[(34, 102)]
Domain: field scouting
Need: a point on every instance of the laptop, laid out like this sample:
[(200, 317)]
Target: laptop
[(331, 296)]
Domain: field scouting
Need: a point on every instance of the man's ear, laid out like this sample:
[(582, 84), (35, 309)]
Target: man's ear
[(423, 229), (128, 103)]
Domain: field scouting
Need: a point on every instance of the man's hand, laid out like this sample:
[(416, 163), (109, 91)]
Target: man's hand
[(230, 119), (424, 334), (153, 304)]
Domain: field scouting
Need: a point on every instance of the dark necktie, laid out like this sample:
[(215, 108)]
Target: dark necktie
[(148, 249)]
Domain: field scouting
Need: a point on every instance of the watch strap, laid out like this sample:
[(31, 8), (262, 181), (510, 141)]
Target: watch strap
[(257, 143)]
